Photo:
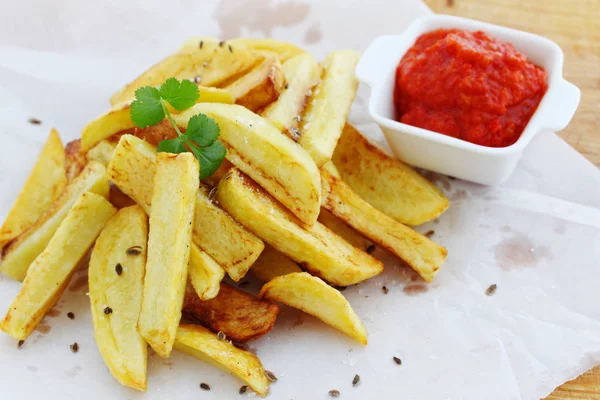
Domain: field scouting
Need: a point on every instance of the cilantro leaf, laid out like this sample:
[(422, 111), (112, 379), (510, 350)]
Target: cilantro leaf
[(172, 146), (210, 158), (146, 110), (180, 95), (202, 130)]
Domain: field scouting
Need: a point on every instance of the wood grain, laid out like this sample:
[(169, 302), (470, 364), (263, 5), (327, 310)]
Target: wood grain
[(575, 26)]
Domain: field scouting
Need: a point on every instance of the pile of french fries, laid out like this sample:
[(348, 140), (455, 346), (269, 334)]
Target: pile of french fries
[(299, 202)]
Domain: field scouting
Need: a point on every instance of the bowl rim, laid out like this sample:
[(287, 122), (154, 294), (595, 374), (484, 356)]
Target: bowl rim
[(533, 127)]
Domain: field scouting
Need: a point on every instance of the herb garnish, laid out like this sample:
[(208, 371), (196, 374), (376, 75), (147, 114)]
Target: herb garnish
[(150, 108)]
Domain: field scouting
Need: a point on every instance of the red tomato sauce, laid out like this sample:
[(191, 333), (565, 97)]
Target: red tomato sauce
[(469, 86)]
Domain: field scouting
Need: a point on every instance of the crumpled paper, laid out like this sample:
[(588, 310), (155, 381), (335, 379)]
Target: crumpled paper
[(537, 237)]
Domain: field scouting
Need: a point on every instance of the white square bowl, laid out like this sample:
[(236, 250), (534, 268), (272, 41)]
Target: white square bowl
[(448, 155)]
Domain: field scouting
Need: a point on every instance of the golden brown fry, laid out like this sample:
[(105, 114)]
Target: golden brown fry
[(302, 73), (272, 264), (102, 152), (388, 184), (259, 87), (75, 159), (328, 106), (20, 252), (46, 182), (118, 119), (175, 188), (201, 343), (116, 280), (313, 296), (285, 50), (422, 254), (209, 66), (50, 272), (341, 229), (257, 148), (216, 232), (205, 274), (238, 315), (318, 249)]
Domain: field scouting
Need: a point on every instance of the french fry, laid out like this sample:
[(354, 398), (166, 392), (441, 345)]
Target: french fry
[(272, 264), (204, 345), (118, 118), (316, 248), (205, 274), (116, 280), (285, 50), (341, 229), (50, 272), (102, 152), (328, 106), (301, 73), (46, 182), (132, 169), (257, 148), (240, 316), (210, 64), (20, 253), (388, 184), (423, 255), (259, 87), (75, 159), (313, 296), (175, 187)]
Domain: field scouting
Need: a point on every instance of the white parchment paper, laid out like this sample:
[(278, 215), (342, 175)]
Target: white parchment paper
[(537, 237)]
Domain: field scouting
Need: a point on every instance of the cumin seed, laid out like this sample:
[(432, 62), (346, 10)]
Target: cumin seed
[(491, 290), (334, 393), (71, 315), (221, 43), (201, 43), (34, 121), (230, 49), (74, 347), (385, 290), (397, 360), (356, 380), (20, 344), (243, 389), (221, 335), (107, 310), (212, 192), (134, 250), (204, 386), (119, 269), (270, 376), (429, 233)]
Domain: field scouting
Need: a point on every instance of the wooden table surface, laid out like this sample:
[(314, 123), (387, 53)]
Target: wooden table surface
[(575, 26)]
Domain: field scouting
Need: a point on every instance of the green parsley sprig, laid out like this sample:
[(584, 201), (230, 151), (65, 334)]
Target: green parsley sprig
[(150, 108)]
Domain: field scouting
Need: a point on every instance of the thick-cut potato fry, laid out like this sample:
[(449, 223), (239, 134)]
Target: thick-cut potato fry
[(50, 272), (301, 73), (328, 106), (259, 87), (204, 345), (46, 182), (319, 250), (102, 152), (257, 148), (285, 50), (118, 119), (211, 64), (272, 264), (75, 159), (20, 253), (237, 314), (216, 232), (386, 183), (116, 280), (313, 296), (341, 229), (205, 274), (176, 184), (423, 255)]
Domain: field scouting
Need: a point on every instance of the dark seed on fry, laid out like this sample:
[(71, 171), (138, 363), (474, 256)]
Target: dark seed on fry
[(221, 43), (228, 175), (134, 251), (270, 376), (20, 344), (384, 289), (204, 386), (107, 310), (212, 192), (230, 49), (201, 43), (243, 389), (74, 347), (71, 315), (221, 335), (197, 79), (334, 393), (287, 85), (429, 233), (34, 121), (119, 269), (397, 360), (370, 249), (491, 290), (356, 380)]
